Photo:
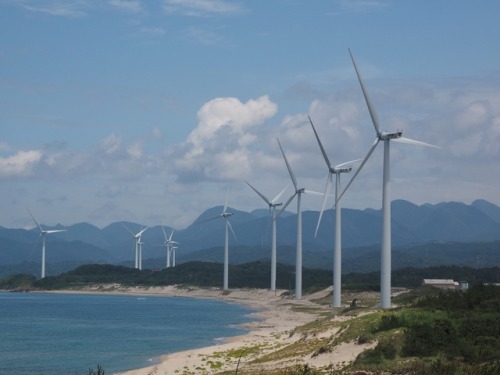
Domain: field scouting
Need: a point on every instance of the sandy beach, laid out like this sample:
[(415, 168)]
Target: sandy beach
[(269, 336)]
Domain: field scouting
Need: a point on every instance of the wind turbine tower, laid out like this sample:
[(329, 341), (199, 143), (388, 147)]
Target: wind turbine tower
[(138, 246), (386, 137), (298, 255), (169, 243), (140, 243), (273, 204), (337, 253), (225, 214), (43, 233)]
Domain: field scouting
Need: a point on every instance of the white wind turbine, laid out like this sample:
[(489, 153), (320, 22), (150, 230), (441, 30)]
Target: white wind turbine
[(169, 243), (386, 137), (272, 212), (228, 227), (43, 233), (298, 255), (337, 254), (138, 246)]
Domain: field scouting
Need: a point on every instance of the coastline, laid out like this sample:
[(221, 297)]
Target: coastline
[(276, 318)]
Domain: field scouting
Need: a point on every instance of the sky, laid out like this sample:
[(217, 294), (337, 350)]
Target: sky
[(154, 111)]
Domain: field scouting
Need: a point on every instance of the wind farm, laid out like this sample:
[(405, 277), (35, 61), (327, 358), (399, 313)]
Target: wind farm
[(140, 114), (298, 191)]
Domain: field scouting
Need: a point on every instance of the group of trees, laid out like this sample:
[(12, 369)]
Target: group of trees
[(248, 275)]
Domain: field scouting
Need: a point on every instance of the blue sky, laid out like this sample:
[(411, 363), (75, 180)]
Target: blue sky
[(147, 111)]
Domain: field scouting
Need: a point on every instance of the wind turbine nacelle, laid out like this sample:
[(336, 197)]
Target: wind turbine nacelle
[(385, 136), (343, 170)]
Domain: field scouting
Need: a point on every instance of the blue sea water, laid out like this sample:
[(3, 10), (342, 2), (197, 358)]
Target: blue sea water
[(67, 334)]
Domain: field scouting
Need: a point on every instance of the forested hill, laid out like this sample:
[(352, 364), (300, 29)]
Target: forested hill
[(249, 275)]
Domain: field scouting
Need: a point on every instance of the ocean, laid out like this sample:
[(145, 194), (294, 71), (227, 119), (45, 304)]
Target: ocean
[(68, 334)]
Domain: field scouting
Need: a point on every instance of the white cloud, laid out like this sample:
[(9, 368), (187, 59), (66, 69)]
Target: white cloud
[(110, 144), (201, 7), (220, 146), (135, 150), (70, 8), (19, 164)]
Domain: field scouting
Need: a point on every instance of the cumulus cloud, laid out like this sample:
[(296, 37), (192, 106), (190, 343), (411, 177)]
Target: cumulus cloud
[(19, 164), (219, 147)]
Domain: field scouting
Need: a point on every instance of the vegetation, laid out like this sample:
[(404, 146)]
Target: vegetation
[(99, 371), (445, 333), (249, 275)]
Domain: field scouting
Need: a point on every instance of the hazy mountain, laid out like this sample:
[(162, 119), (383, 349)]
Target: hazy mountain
[(361, 230)]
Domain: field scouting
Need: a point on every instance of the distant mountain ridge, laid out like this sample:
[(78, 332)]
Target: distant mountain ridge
[(411, 225)]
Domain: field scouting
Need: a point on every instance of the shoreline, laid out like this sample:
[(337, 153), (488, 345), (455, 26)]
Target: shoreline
[(276, 319)]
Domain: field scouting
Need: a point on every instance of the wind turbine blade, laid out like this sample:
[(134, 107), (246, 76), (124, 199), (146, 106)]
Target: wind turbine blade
[(321, 146), (55, 231), (312, 192), (38, 225), (132, 233), (164, 234), (285, 205), (225, 203), (413, 142), (347, 163), (377, 140), (141, 232), (327, 190), (371, 108), (231, 228), (288, 167), (276, 198), (210, 219), (170, 238), (259, 193), (269, 221)]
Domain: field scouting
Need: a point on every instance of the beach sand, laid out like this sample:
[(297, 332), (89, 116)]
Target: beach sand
[(269, 336)]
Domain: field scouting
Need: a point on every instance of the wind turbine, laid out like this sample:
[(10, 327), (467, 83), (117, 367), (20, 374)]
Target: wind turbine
[(43, 233), (337, 253), (225, 214), (386, 137), (138, 246), (170, 248), (298, 254), (272, 211)]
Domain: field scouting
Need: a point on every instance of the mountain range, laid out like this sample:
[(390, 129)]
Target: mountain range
[(412, 226)]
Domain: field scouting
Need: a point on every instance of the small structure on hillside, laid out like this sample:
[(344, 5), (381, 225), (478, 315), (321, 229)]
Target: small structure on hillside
[(447, 284)]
